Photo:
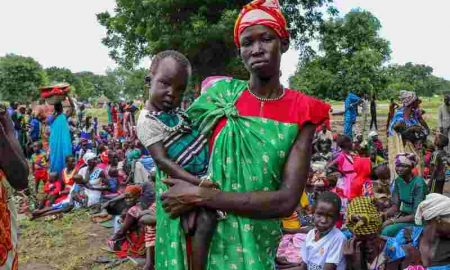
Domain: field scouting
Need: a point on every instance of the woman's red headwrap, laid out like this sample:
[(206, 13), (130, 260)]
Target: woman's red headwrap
[(261, 12)]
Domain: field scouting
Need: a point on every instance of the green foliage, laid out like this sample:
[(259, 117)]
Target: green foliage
[(200, 29), (351, 57), (127, 84), (415, 77), (20, 78)]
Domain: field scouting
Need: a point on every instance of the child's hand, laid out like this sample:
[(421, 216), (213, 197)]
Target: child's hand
[(208, 184)]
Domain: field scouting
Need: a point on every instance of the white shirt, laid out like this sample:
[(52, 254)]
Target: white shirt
[(329, 249)]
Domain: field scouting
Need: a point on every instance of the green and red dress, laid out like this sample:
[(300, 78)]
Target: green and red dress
[(250, 142)]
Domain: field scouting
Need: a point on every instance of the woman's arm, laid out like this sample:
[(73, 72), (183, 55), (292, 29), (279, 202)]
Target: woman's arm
[(71, 109), (182, 196), (12, 159)]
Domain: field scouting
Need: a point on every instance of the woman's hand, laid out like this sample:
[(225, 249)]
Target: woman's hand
[(387, 223), (181, 197)]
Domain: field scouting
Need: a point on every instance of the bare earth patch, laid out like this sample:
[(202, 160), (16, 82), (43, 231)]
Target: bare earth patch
[(70, 243)]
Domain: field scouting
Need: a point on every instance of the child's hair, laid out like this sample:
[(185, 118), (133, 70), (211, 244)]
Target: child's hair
[(330, 197), (113, 172), (68, 157), (441, 140), (177, 56), (343, 140)]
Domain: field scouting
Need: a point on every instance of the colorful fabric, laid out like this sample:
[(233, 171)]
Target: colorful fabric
[(39, 161), (290, 246), (362, 183), (134, 190), (407, 97), (8, 229), (407, 236), (350, 113), (40, 175), (406, 159), (433, 206), (150, 231), (184, 145), (261, 12), (400, 118), (249, 149), (67, 177), (363, 217), (88, 156), (60, 143), (345, 165)]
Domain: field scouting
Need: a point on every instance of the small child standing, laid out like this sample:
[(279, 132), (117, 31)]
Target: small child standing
[(177, 149), (440, 165), (324, 245), (39, 166)]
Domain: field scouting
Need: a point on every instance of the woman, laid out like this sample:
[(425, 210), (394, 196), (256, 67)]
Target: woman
[(93, 177), (407, 118), (60, 142), (14, 170), (435, 242), (261, 136), (409, 192)]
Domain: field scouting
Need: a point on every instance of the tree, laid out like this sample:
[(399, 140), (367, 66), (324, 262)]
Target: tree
[(20, 78), (415, 77), (200, 29), (128, 84), (351, 57)]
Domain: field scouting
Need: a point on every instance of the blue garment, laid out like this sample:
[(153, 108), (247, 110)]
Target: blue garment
[(399, 118), (113, 184), (148, 163), (35, 129), (442, 267), (393, 249), (350, 113), (60, 143)]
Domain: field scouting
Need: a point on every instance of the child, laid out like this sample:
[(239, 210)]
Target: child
[(362, 183), (323, 247), (52, 190), (75, 199), (39, 166), (440, 165), (69, 171), (376, 143), (166, 132), (344, 162), (383, 179)]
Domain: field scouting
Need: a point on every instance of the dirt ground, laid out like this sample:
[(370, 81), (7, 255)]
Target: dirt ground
[(69, 243)]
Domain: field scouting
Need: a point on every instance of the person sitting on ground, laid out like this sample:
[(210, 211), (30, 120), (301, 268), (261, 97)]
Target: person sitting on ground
[(52, 190), (94, 178), (323, 247), (362, 183), (76, 198), (376, 143), (39, 165), (439, 165), (409, 192), (129, 240), (68, 173), (435, 242), (381, 184)]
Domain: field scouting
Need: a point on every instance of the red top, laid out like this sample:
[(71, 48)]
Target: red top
[(52, 188), (293, 108)]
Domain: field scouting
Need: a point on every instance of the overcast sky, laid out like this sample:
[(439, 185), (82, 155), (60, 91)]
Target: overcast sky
[(65, 33)]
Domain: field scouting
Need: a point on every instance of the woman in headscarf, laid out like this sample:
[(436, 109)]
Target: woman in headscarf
[(407, 119), (93, 177), (261, 135), (435, 242), (60, 140), (409, 192)]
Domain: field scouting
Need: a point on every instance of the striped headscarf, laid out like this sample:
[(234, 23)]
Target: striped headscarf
[(407, 97), (408, 159), (363, 217), (261, 12)]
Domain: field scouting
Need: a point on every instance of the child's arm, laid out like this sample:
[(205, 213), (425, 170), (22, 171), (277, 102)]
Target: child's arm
[(171, 168)]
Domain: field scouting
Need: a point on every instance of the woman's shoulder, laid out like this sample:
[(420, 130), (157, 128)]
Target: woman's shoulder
[(311, 109)]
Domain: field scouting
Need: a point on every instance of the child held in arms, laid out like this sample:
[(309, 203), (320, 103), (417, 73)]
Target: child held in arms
[(178, 150)]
